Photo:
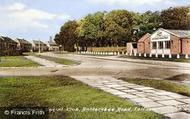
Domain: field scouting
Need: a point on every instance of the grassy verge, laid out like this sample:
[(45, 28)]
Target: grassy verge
[(16, 61), (158, 59), (64, 92), (161, 84), (57, 60)]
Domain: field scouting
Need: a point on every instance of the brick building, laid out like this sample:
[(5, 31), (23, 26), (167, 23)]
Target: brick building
[(8, 46), (143, 45), (165, 42), (53, 46), (39, 46), (23, 45)]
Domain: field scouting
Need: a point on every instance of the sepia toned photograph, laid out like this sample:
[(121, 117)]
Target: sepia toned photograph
[(94, 59)]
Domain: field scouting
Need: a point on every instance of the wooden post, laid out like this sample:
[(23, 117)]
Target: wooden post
[(170, 56), (178, 56), (163, 55), (144, 54), (156, 55), (186, 56)]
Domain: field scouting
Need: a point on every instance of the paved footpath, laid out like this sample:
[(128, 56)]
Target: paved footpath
[(44, 62), (160, 101)]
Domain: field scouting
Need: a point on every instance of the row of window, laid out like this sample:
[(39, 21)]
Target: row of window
[(4, 46), (160, 45)]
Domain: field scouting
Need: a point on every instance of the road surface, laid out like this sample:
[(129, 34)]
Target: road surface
[(105, 66)]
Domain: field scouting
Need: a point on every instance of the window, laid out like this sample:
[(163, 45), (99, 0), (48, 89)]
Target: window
[(168, 44), (154, 45), (160, 45)]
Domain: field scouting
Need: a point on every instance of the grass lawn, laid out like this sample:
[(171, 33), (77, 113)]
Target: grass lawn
[(161, 84), (64, 92), (158, 59), (188, 86), (57, 60), (16, 61)]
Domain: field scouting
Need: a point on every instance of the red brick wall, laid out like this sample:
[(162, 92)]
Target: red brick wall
[(175, 45), (147, 46), (140, 47), (185, 46), (143, 46)]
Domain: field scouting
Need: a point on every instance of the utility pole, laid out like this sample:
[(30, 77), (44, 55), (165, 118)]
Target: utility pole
[(39, 46)]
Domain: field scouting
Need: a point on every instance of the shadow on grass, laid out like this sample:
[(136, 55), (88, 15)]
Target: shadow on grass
[(180, 77)]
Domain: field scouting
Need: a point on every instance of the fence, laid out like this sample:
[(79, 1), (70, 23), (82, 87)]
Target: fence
[(107, 49), (112, 53)]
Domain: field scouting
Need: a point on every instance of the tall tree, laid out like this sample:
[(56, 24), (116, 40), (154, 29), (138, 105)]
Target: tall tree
[(146, 22), (150, 21), (176, 18), (57, 39), (90, 28), (118, 27), (68, 36)]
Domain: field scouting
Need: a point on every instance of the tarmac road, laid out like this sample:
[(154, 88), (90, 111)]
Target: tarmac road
[(104, 66)]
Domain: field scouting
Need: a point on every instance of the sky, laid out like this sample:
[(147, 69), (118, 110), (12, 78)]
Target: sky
[(40, 19)]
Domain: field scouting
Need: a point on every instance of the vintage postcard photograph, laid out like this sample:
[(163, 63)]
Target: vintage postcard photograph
[(94, 59)]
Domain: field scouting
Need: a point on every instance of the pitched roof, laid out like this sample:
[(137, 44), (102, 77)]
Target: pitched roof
[(23, 41), (37, 42), (143, 38), (1, 38), (178, 33), (7, 39), (181, 33)]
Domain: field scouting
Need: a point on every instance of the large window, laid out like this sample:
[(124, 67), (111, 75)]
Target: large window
[(160, 45), (154, 45), (167, 44)]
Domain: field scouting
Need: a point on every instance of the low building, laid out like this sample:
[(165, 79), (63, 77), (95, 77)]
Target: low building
[(53, 46), (165, 42), (143, 44), (24, 45), (39, 46), (8, 47)]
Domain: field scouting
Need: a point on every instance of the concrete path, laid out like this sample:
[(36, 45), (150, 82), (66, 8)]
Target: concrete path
[(44, 62), (163, 102)]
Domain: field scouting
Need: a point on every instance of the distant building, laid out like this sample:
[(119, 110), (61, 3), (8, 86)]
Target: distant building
[(165, 42), (53, 46), (8, 46), (39, 46), (24, 45)]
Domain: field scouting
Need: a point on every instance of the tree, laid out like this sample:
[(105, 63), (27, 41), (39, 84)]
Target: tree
[(118, 27), (57, 39), (176, 18), (91, 28), (147, 22), (150, 21), (67, 36)]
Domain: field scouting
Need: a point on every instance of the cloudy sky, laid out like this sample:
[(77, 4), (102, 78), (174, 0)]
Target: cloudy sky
[(40, 19)]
